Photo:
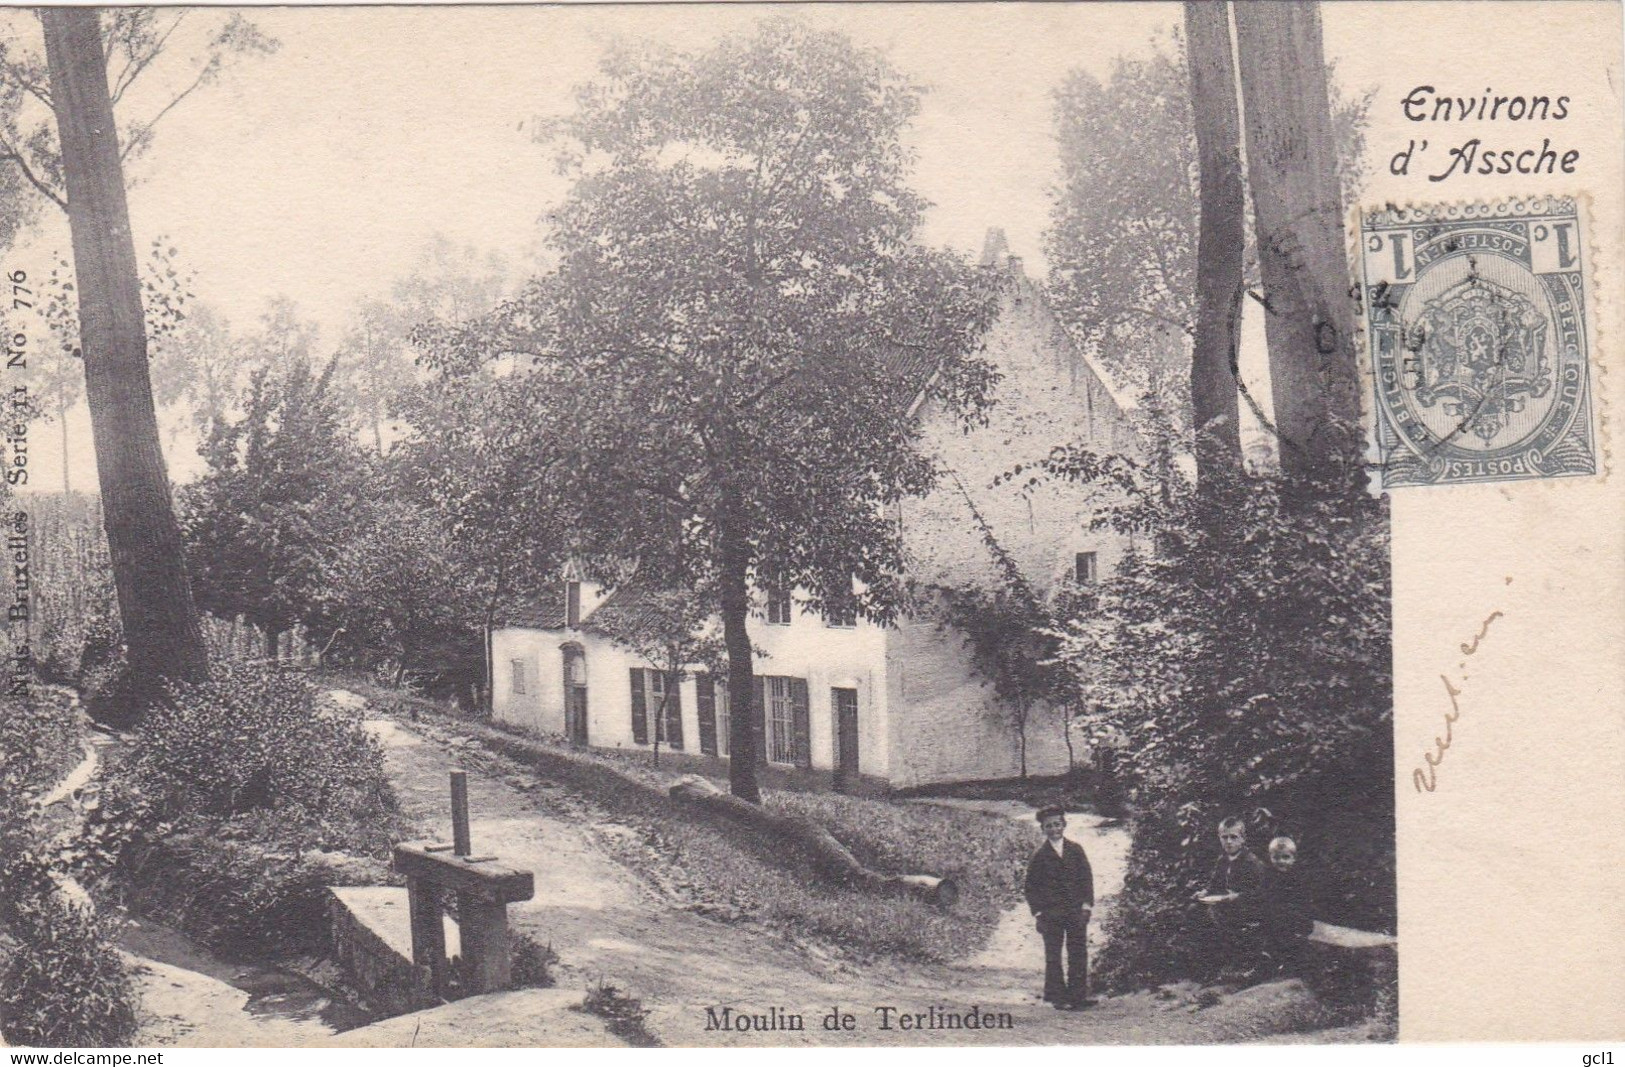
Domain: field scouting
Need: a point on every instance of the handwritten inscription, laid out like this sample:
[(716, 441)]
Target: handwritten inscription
[(1426, 777)]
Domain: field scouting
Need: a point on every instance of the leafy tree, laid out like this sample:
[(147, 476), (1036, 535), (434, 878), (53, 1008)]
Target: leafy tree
[(278, 500), (59, 133), (134, 42), (1122, 239), (57, 369), (200, 366), (479, 454), (447, 285), (283, 342), (401, 585), (737, 277)]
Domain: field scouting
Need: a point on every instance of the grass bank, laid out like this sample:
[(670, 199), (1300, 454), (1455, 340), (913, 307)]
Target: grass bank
[(713, 867)]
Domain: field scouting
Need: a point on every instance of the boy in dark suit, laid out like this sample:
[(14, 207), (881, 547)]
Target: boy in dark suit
[(1060, 890), (1233, 897)]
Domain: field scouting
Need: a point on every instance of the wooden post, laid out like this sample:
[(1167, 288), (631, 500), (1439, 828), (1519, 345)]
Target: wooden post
[(482, 926), (459, 814), (428, 928)]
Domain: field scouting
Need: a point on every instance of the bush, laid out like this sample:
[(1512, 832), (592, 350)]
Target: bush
[(532, 963), (64, 982), (237, 896), (235, 789), (625, 1015), (1243, 653), (61, 979), (252, 739)]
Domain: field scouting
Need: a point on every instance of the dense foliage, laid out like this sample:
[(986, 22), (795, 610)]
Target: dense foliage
[(61, 979), (1242, 652), (1122, 241), (283, 484), (250, 741), (241, 799)]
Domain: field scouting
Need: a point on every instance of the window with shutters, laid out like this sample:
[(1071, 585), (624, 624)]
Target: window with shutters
[(721, 696), (1083, 569), (711, 699), (668, 726), (520, 685), (778, 609), (780, 721), (640, 708)]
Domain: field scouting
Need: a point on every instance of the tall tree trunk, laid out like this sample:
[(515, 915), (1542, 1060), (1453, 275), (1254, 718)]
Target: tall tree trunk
[(1292, 167), (742, 711), (160, 620), (1220, 243)]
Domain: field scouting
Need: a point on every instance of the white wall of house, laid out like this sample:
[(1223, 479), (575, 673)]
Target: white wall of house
[(947, 724), (1049, 395), (831, 657), (827, 657)]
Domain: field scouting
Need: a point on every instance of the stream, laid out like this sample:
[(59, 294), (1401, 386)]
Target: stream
[(187, 991), (274, 992)]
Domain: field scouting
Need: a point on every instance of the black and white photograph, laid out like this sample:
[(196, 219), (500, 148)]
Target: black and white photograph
[(836, 525)]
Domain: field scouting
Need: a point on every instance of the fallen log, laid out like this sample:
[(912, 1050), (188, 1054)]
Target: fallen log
[(810, 842)]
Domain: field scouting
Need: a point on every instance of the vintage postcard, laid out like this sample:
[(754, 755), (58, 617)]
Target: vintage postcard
[(836, 525)]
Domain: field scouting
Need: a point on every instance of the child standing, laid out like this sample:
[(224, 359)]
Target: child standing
[(1060, 890), (1288, 910)]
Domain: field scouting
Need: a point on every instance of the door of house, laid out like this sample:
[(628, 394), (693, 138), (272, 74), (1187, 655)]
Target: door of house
[(576, 714), (575, 695), (846, 739)]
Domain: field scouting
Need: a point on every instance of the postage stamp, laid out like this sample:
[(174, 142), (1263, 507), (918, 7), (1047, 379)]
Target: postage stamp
[(1477, 322)]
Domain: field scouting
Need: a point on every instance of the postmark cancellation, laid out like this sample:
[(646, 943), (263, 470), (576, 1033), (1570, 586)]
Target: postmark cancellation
[(1476, 319)]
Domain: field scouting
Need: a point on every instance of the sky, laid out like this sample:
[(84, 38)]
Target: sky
[(323, 171)]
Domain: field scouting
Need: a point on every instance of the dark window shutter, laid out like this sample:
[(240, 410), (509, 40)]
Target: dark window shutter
[(674, 714), (640, 713), (759, 718), (802, 722), (705, 702)]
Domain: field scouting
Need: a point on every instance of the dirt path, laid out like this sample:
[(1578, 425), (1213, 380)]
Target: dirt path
[(606, 922)]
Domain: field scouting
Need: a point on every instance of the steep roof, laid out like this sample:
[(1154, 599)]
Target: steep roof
[(909, 361), (912, 363), (541, 612), (627, 609)]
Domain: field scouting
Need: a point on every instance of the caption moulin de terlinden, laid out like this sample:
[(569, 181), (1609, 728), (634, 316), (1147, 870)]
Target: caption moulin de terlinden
[(838, 1020)]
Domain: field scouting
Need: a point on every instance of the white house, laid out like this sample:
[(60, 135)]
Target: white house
[(857, 705)]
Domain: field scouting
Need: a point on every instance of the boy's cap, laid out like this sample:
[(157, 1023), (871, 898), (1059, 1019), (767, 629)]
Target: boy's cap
[(1050, 810)]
